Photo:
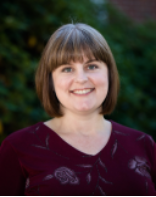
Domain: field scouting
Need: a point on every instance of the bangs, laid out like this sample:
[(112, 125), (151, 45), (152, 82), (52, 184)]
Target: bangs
[(74, 46)]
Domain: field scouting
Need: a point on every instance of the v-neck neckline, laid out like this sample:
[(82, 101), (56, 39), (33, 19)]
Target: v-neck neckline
[(71, 150)]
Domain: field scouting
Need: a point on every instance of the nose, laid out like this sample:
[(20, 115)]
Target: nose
[(81, 77)]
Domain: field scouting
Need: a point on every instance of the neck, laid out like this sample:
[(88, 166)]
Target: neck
[(85, 125)]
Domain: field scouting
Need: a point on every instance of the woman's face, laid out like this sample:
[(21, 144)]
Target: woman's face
[(81, 87)]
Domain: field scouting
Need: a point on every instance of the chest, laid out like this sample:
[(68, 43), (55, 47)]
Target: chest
[(89, 145), (87, 176)]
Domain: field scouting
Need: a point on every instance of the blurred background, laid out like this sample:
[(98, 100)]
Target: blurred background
[(129, 26)]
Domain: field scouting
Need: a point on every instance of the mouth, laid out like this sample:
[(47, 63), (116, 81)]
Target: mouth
[(83, 91)]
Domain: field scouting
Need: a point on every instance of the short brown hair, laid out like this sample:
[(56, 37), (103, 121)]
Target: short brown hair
[(70, 43)]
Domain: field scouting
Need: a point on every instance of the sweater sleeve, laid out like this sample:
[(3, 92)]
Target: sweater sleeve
[(154, 166), (12, 180)]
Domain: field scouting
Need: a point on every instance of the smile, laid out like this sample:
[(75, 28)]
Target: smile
[(84, 91)]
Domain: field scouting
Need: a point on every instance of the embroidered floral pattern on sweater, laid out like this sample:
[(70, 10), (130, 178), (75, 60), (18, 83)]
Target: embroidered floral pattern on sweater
[(140, 166), (65, 175), (146, 186), (114, 148), (45, 144), (117, 144), (48, 177), (27, 183), (143, 136), (89, 168)]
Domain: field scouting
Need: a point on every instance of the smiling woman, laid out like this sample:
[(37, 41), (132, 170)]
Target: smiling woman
[(73, 43), (78, 151)]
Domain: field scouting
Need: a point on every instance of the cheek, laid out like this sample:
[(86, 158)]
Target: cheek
[(103, 88), (61, 85), (102, 81)]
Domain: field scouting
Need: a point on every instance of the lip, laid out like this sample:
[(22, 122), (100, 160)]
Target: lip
[(73, 91), (80, 89)]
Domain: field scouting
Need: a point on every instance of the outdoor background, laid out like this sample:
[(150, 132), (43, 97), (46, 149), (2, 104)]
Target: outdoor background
[(25, 27)]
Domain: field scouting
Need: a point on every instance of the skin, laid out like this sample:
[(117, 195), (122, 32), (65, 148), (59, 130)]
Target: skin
[(88, 131)]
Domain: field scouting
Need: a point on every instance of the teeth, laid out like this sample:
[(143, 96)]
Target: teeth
[(82, 91)]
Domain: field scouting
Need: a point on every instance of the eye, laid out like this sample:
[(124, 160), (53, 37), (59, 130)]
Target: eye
[(67, 70), (92, 67)]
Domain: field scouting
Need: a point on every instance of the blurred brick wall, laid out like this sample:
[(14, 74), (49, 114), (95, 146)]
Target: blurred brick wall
[(138, 10)]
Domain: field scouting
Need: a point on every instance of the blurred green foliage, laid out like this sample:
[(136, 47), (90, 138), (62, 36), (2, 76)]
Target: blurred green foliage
[(26, 27)]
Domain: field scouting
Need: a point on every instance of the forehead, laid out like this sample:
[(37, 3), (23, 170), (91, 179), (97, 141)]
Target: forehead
[(82, 59), (76, 46)]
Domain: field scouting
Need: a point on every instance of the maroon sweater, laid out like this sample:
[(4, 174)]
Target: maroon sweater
[(36, 161)]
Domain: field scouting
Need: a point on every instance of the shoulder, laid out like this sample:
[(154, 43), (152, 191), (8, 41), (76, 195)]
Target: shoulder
[(133, 135), (23, 136), (127, 130)]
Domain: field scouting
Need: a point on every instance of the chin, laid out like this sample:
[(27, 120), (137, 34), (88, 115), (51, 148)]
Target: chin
[(87, 109), (81, 108), (84, 110)]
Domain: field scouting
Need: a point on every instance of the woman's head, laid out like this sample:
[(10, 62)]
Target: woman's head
[(73, 42)]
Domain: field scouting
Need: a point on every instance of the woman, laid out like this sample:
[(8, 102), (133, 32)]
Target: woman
[(78, 152)]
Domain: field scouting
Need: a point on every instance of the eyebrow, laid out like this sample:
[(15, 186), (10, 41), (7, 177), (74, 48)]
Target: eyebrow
[(87, 62)]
